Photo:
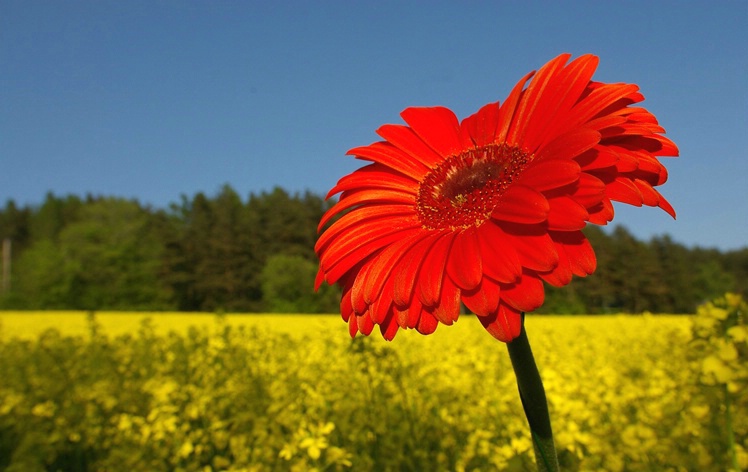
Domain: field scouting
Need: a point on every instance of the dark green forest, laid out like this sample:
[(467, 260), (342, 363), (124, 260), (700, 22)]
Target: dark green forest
[(225, 253)]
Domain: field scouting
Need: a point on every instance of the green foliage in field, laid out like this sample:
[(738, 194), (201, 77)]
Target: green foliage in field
[(626, 393)]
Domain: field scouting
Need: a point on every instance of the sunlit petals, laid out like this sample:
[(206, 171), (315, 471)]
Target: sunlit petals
[(390, 156), (529, 102), (348, 255), (447, 310), (525, 295), (569, 145), (347, 235), (576, 257), (508, 109), (521, 204), (427, 323), (588, 191), (356, 198), (623, 190), (436, 126), (464, 265), (410, 268), (407, 141), (389, 327), (484, 299), (566, 214), (383, 264), (484, 211), (601, 214), (551, 174), (505, 324), (501, 261), (433, 271), (364, 323), (375, 176), (533, 245), (351, 220), (481, 127), (563, 91)]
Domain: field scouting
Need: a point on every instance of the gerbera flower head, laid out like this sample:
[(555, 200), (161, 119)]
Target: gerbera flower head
[(485, 210)]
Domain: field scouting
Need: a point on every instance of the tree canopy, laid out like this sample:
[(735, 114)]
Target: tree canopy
[(255, 254)]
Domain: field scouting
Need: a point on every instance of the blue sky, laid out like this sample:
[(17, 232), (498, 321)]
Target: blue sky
[(157, 99)]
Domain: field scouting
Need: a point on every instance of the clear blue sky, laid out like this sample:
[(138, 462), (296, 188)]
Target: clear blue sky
[(158, 99)]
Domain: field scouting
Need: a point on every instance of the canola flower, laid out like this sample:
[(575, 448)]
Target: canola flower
[(232, 396)]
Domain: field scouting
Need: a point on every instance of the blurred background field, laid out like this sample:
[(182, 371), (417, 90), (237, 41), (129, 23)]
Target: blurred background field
[(30, 324), (201, 392)]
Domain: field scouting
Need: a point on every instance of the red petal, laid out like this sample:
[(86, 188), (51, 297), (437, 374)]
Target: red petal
[(349, 257), (576, 257), (392, 157), (406, 139), (407, 272), (358, 302), (573, 81), (589, 190), (521, 204), (346, 310), (623, 190), (352, 326), (342, 238), (379, 310), (529, 103), (433, 271), (427, 323), (436, 126), (665, 205), (566, 214), (650, 196), (484, 299), (369, 212), (447, 309), (600, 157), (562, 274), (389, 327), (598, 100), (526, 295), (534, 246), (500, 259), (319, 279), (505, 324), (569, 145), (563, 91), (464, 264), (408, 317), (365, 324), (601, 214), (481, 126), (385, 262), (508, 109), (547, 175), (578, 250), (375, 176)]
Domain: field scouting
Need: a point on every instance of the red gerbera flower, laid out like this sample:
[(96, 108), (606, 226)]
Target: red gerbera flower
[(484, 210)]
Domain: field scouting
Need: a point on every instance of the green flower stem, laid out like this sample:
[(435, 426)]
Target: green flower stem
[(532, 394)]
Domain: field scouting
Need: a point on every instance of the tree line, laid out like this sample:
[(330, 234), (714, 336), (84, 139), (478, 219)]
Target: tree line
[(225, 253)]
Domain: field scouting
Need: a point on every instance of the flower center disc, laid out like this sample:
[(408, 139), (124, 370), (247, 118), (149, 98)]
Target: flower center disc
[(464, 190)]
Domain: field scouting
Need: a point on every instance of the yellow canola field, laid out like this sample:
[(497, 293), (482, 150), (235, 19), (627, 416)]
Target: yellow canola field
[(196, 392)]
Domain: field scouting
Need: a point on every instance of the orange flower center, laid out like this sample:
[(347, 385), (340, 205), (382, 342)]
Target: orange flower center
[(464, 190)]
